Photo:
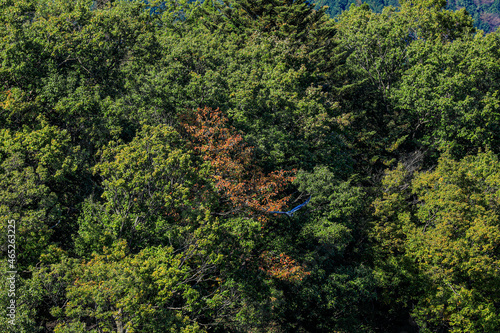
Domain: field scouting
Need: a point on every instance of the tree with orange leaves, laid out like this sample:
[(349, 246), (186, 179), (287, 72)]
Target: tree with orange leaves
[(244, 185)]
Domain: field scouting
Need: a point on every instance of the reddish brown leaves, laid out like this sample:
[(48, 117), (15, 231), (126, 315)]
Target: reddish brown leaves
[(245, 186), (282, 267)]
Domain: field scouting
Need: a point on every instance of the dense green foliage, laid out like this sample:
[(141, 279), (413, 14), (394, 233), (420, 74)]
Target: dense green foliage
[(144, 145), (486, 13)]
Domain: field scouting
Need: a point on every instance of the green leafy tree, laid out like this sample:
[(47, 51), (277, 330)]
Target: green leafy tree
[(450, 92), (456, 243), (448, 234), (35, 169), (328, 237), (152, 187), (379, 47), (156, 290)]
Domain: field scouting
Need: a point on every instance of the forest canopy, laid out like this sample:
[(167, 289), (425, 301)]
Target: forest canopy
[(486, 13), (145, 146)]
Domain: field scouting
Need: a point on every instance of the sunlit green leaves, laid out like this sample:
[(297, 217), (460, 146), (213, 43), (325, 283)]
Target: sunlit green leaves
[(450, 92), (149, 184), (451, 230), (116, 291), (34, 166)]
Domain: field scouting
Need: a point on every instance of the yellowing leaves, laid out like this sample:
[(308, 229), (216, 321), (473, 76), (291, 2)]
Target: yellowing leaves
[(452, 232)]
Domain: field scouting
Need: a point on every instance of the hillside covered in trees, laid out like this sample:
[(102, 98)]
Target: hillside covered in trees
[(145, 146), (486, 13)]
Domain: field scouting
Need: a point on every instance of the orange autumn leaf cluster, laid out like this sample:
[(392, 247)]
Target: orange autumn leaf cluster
[(245, 185), (282, 267)]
